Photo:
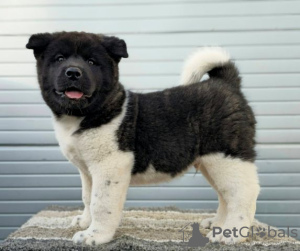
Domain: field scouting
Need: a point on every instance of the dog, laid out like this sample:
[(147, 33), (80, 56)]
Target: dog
[(118, 138)]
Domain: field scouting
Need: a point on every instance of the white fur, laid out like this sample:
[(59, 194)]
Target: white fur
[(151, 176), (85, 219), (219, 219), (65, 127), (105, 173), (202, 61), (237, 184)]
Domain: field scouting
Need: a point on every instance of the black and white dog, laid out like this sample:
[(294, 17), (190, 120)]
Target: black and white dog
[(117, 137)]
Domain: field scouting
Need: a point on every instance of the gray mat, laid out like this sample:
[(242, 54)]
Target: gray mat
[(140, 229), (128, 243)]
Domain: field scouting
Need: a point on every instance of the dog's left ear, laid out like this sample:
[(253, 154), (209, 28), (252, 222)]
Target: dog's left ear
[(38, 43), (115, 47)]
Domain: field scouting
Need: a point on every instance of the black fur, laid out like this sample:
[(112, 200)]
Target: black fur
[(168, 129), (171, 128)]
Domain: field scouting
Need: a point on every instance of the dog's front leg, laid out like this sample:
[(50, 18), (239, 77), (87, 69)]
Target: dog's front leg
[(84, 220), (110, 181)]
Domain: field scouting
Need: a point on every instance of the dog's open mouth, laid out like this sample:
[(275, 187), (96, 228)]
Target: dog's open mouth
[(72, 93)]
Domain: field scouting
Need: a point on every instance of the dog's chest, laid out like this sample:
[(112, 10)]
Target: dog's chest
[(87, 147), (65, 128)]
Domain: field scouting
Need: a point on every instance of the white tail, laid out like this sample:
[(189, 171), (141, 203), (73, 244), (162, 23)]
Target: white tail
[(202, 61)]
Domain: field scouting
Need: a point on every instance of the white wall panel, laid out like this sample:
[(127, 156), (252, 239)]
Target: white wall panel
[(262, 37)]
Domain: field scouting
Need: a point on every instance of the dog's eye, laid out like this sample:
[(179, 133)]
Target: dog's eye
[(60, 58), (91, 61)]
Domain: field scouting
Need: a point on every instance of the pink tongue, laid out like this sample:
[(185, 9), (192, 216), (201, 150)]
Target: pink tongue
[(74, 94)]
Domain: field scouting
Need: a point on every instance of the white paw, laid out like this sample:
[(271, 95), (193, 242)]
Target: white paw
[(212, 238), (82, 221), (209, 223), (209, 235), (232, 240), (91, 237), (206, 223), (226, 240), (218, 222), (230, 237)]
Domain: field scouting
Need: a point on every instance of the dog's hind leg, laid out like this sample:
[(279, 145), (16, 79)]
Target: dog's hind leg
[(218, 220), (237, 181)]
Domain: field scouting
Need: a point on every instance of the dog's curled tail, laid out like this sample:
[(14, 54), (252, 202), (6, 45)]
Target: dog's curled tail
[(212, 60)]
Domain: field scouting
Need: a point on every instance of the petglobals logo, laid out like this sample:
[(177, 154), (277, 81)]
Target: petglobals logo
[(194, 238), (261, 232)]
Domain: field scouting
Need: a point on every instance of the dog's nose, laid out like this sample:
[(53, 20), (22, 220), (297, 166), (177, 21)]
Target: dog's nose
[(73, 73)]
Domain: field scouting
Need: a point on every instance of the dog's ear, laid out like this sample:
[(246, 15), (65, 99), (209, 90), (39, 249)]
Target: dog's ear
[(39, 42), (115, 47)]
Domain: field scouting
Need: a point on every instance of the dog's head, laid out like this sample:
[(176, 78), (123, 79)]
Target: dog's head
[(76, 70)]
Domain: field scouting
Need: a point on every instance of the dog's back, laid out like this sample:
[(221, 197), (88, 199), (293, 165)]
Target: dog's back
[(175, 126)]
